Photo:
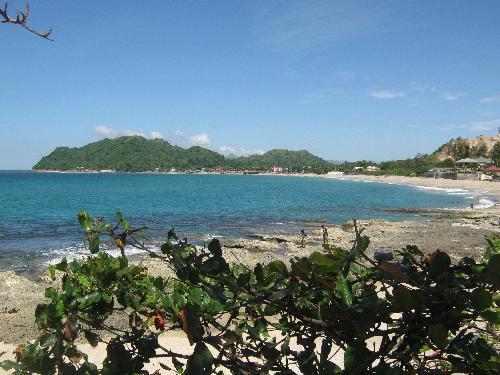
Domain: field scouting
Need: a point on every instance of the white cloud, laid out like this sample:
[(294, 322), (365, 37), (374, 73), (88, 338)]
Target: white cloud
[(229, 150), (422, 88), (115, 133), (200, 140), (310, 25), (451, 96), (484, 125), (386, 94), (179, 138), (491, 100), (476, 126), (479, 128), (183, 140), (156, 135)]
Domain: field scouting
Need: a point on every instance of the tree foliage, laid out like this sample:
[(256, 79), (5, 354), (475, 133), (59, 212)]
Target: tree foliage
[(495, 153), (136, 154), (421, 315), (292, 161)]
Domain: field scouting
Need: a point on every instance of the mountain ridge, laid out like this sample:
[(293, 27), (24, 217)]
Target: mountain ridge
[(138, 154)]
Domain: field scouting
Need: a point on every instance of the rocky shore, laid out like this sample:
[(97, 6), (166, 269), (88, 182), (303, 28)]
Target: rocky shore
[(460, 233)]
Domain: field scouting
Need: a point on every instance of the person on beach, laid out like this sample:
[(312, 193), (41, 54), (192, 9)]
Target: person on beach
[(325, 235), (303, 236)]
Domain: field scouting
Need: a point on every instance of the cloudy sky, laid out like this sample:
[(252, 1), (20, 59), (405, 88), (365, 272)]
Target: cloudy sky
[(344, 79)]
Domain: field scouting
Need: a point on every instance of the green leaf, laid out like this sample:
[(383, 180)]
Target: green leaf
[(215, 248), (404, 299), (213, 266), (329, 261), (11, 365), (200, 362), (259, 272), (306, 362), (356, 358), (344, 291), (52, 272), (93, 242), (277, 267), (51, 293), (440, 263), (301, 268), (438, 335), (89, 299), (481, 299), (365, 242), (178, 365), (280, 294), (492, 316), (84, 220), (167, 247), (48, 340), (171, 234), (92, 337), (62, 265), (494, 264), (325, 366)]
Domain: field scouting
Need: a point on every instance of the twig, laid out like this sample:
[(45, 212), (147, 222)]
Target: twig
[(21, 19)]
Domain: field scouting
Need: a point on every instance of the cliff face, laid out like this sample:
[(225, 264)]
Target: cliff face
[(478, 146)]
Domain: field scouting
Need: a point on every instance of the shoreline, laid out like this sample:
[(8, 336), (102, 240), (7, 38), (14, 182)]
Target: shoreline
[(483, 187), (485, 190), (459, 233)]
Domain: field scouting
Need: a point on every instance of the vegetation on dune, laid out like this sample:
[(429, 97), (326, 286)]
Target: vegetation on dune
[(137, 154), (444, 157), (420, 314)]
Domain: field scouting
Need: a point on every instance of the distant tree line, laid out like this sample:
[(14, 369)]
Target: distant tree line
[(456, 148)]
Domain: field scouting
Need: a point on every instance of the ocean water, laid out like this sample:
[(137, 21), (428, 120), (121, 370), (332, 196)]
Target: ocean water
[(38, 210)]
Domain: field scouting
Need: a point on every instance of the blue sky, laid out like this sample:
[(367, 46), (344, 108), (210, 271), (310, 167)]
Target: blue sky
[(344, 79)]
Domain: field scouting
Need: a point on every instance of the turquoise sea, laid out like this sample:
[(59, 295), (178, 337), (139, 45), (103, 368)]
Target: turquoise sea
[(38, 210)]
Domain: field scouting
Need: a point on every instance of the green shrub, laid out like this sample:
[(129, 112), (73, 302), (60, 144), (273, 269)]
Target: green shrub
[(426, 315)]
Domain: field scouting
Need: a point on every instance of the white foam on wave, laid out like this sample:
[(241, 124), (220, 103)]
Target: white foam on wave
[(208, 237), (481, 201), (485, 203), (78, 252), (452, 191)]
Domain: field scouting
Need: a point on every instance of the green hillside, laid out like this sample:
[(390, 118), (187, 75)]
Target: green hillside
[(291, 160), (135, 154)]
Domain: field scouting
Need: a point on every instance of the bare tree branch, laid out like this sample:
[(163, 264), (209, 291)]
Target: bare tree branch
[(21, 19)]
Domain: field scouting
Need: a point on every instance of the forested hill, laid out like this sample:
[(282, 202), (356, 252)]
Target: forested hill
[(292, 160), (136, 154)]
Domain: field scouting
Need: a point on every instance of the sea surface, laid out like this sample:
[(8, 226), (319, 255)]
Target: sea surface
[(38, 210)]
